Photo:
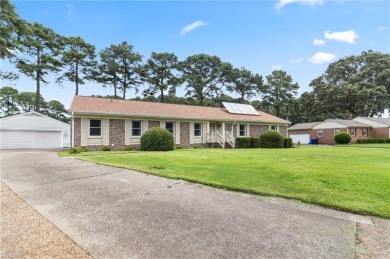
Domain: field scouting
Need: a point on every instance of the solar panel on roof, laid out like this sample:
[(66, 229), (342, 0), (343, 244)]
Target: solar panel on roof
[(238, 108)]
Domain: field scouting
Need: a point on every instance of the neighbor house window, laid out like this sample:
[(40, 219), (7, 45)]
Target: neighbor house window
[(364, 132), (242, 130), (320, 133), (95, 127), (169, 127), (136, 128), (336, 131), (274, 127), (197, 129), (352, 131)]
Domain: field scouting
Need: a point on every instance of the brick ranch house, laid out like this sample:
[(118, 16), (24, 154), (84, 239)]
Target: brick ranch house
[(380, 126), (98, 122), (326, 130)]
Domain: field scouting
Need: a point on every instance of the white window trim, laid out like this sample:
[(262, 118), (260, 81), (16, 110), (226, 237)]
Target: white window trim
[(354, 131), (334, 131), (245, 130), (173, 126), (89, 128), (277, 127), (131, 130), (365, 134), (201, 131), (322, 133)]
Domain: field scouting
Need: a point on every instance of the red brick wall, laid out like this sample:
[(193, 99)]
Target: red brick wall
[(359, 134), (77, 132), (153, 124), (257, 130), (185, 134), (117, 134), (380, 132), (283, 130)]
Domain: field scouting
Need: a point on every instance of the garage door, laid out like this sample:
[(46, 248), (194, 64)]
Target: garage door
[(15, 139), (302, 138)]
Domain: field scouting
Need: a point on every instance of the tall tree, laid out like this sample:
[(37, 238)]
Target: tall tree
[(278, 91), (244, 83), (8, 101), (40, 50), (27, 101), (204, 75), (78, 57), (158, 73), (357, 85), (56, 110)]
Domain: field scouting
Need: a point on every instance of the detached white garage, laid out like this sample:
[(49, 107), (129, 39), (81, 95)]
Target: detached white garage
[(33, 130)]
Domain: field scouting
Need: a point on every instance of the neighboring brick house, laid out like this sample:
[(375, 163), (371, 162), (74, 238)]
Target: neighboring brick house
[(380, 126), (98, 122), (325, 131)]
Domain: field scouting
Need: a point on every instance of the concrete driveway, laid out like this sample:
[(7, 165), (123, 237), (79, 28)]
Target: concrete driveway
[(115, 213)]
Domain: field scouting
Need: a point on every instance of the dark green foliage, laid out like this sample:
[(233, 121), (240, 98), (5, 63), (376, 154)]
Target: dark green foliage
[(243, 142), (157, 139), (255, 142), (288, 143), (128, 148), (77, 150), (373, 140), (179, 147), (106, 148), (271, 139), (342, 138)]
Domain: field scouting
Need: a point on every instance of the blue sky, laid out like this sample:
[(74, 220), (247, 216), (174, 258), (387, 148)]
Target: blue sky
[(298, 36)]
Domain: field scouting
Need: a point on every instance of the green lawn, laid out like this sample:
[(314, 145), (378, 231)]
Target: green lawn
[(354, 179)]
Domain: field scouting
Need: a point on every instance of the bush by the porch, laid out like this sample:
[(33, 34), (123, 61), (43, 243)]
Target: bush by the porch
[(255, 142), (342, 138), (157, 139), (288, 143), (271, 139), (243, 142)]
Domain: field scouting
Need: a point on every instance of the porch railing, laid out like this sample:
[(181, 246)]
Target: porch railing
[(229, 138)]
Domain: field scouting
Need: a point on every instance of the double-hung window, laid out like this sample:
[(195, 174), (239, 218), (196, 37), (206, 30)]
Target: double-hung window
[(95, 128), (274, 127), (320, 133), (352, 131), (169, 127), (197, 129), (364, 132), (136, 128), (336, 131), (242, 130)]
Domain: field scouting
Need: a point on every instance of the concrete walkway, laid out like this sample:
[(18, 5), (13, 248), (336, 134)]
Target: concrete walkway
[(114, 213)]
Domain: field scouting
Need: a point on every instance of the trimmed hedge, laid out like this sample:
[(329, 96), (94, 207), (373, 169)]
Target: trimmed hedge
[(342, 138), (255, 142), (373, 140), (157, 139), (243, 142), (288, 143), (271, 139)]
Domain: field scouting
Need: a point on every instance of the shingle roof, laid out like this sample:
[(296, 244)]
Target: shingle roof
[(351, 123), (93, 105), (385, 121), (303, 126)]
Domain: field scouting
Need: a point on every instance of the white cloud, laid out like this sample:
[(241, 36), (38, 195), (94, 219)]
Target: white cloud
[(321, 57), (318, 42), (282, 3), (192, 26), (295, 61), (381, 28), (344, 36), (276, 67), (70, 9)]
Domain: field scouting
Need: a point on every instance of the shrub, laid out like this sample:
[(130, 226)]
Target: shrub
[(342, 138), (388, 140), (271, 139), (243, 142), (83, 149), (288, 143), (74, 150), (157, 139), (361, 141), (106, 148), (128, 148), (179, 147), (255, 142)]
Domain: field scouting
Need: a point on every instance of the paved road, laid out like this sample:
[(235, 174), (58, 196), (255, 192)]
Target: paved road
[(115, 213)]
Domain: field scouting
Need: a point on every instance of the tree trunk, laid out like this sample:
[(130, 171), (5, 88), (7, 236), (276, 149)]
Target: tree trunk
[(77, 78), (162, 95), (37, 104)]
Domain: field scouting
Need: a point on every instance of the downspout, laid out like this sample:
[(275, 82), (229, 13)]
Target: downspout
[(234, 141)]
